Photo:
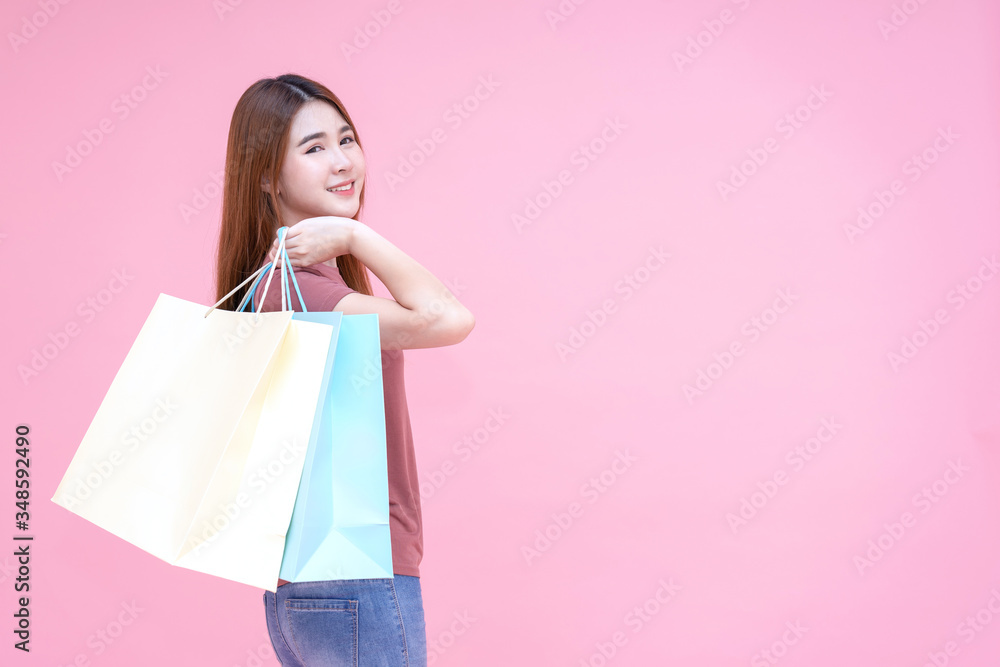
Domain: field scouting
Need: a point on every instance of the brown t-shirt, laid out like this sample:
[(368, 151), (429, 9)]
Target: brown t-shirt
[(322, 289)]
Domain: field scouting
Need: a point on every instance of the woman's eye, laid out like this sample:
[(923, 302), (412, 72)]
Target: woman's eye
[(320, 146)]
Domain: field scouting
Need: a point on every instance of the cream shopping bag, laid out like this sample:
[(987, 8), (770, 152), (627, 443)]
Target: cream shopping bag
[(196, 451)]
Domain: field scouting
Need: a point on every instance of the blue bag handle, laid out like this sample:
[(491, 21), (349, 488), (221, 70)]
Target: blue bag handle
[(259, 273), (286, 269)]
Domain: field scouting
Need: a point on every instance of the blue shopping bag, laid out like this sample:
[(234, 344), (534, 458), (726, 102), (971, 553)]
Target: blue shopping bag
[(340, 522)]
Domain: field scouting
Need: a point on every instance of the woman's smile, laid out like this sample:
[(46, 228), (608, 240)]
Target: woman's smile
[(343, 190)]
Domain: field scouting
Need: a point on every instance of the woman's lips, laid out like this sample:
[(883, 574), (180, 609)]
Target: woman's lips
[(346, 193)]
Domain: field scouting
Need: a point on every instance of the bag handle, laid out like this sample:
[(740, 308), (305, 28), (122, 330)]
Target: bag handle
[(259, 273), (285, 267)]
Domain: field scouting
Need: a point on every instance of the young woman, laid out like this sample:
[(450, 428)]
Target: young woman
[(294, 159)]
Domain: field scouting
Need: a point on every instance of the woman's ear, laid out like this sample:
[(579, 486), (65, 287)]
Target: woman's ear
[(265, 185)]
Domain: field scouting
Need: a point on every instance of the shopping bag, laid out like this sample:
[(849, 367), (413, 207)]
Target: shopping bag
[(196, 452), (340, 523)]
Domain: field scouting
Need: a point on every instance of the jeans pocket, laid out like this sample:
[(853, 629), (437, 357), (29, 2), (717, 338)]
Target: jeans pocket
[(324, 631)]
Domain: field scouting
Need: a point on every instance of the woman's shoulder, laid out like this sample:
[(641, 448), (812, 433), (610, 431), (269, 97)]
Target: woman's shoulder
[(321, 268), (311, 272), (321, 286)]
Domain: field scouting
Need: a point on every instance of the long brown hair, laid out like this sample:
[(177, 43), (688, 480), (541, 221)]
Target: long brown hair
[(258, 137)]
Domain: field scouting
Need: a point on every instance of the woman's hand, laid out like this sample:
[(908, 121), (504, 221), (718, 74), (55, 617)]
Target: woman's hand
[(315, 240)]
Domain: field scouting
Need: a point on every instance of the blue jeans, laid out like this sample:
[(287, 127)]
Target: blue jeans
[(350, 622)]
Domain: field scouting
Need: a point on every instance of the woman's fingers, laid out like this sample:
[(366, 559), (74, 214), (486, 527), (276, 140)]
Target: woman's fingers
[(291, 248)]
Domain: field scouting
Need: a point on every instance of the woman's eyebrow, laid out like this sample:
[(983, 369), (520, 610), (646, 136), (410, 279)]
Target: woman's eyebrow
[(321, 135)]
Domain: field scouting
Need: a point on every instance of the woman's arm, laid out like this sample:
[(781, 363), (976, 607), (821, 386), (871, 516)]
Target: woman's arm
[(424, 314)]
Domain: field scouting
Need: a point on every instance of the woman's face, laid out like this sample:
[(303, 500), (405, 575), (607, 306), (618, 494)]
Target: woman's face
[(322, 154)]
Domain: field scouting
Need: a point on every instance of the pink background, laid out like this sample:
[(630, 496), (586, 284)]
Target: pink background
[(682, 130)]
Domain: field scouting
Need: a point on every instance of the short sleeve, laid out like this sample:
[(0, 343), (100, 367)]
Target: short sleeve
[(321, 288)]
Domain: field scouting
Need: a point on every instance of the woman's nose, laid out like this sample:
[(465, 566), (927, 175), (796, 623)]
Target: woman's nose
[(339, 160)]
